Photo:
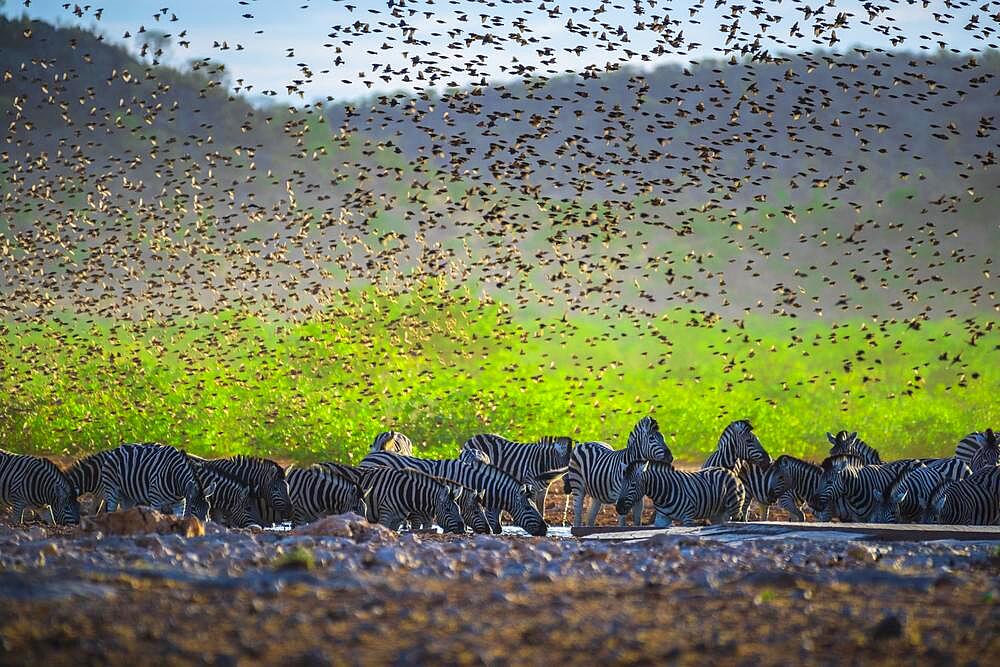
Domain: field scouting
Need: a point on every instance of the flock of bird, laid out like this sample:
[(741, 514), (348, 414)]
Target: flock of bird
[(630, 166), (493, 476)]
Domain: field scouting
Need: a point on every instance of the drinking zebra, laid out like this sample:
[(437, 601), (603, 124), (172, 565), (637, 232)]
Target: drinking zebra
[(793, 484), (715, 494), (159, 476), (265, 479), (392, 441), (85, 477), (910, 494), (33, 481), (393, 495), (856, 492), (229, 499), (974, 500), (501, 492), (317, 491), (596, 470), (849, 444), (537, 464)]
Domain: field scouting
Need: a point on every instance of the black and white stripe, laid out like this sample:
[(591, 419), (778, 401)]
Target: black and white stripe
[(85, 477), (910, 494), (501, 492), (392, 441), (392, 496), (715, 494), (737, 442), (973, 501), (757, 481), (265, 479), (537, 464), (794, 483), (154, 475), (969, 447), (35, 482), (856, 493), (849, 444), (317, 491), (596, 470)]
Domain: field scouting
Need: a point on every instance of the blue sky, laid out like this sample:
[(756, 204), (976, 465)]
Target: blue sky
[(273, 42)]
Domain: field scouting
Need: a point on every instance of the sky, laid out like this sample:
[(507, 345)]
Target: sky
[(351, 49)]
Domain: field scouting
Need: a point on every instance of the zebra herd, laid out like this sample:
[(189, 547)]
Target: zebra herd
[(493, 476)]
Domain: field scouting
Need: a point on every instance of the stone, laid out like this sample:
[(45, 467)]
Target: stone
[(141, 521)]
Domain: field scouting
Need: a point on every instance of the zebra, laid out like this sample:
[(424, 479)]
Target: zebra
[(85, 477), (974, 500), (911, 492), (318, 490), (32, 481), (738, 441), (970, 446), (470, 504), (265, 479), (392, 441), (715, 494), (849, 444), (154, 475), (757, 481), (794, 483), (501, 492), (230, 502), (393, 495), (855, 492), (537, 464), (595, 469)]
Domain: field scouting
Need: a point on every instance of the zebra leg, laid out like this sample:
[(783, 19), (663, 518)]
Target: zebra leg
[(578, 509), (110, 500), (49, 515), (765, 510), (661, 520), (787, 503), (493, 518), (621, 520), (595, 508), (637, 511), (18, 514), (540, 497)]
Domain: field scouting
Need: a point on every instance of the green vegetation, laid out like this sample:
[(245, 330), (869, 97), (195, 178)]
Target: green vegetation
[(443, 365)]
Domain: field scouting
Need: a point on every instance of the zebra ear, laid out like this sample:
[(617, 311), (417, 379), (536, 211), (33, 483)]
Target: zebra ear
[(831, 438)]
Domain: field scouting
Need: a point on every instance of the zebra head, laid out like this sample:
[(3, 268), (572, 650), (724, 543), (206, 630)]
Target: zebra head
[(646, 442), (65, 506), (446, 510), (988, 454), (742, 443), (474, 456), (631, 489), (938, 508), (392, 441), (196, 499), (526, 515), (473, 514)]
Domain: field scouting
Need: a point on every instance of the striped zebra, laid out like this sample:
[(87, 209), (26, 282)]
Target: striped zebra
[(470, 505), (738, 441), (85, 477), (536, 464), (757, 481), (911, 492), (265, 479), (715, 494), (229, 500), (973, 501), (980, 450), (849, 444), (501, 492), (392, 441), (317, 491), (596, 470), (794, 483), (393, 495), (856, 493), (33, 481), (154, 475)]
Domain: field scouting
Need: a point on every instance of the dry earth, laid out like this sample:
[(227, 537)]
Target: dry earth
[(345, 592)]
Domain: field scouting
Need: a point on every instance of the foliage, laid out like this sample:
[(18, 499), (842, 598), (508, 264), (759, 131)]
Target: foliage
[(442, 365)]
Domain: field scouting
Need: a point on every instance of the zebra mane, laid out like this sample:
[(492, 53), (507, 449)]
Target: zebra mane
[(733, 428), (52, 468), (837, 462), (240, 459)]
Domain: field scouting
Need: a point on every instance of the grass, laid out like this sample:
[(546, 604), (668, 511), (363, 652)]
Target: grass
[(442, 365)]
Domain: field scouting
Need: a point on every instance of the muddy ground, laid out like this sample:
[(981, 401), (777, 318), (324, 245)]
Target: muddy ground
[(344, 592)]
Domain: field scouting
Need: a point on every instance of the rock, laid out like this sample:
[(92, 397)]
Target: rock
[(347, 525), (889, 627), (141, 521)]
